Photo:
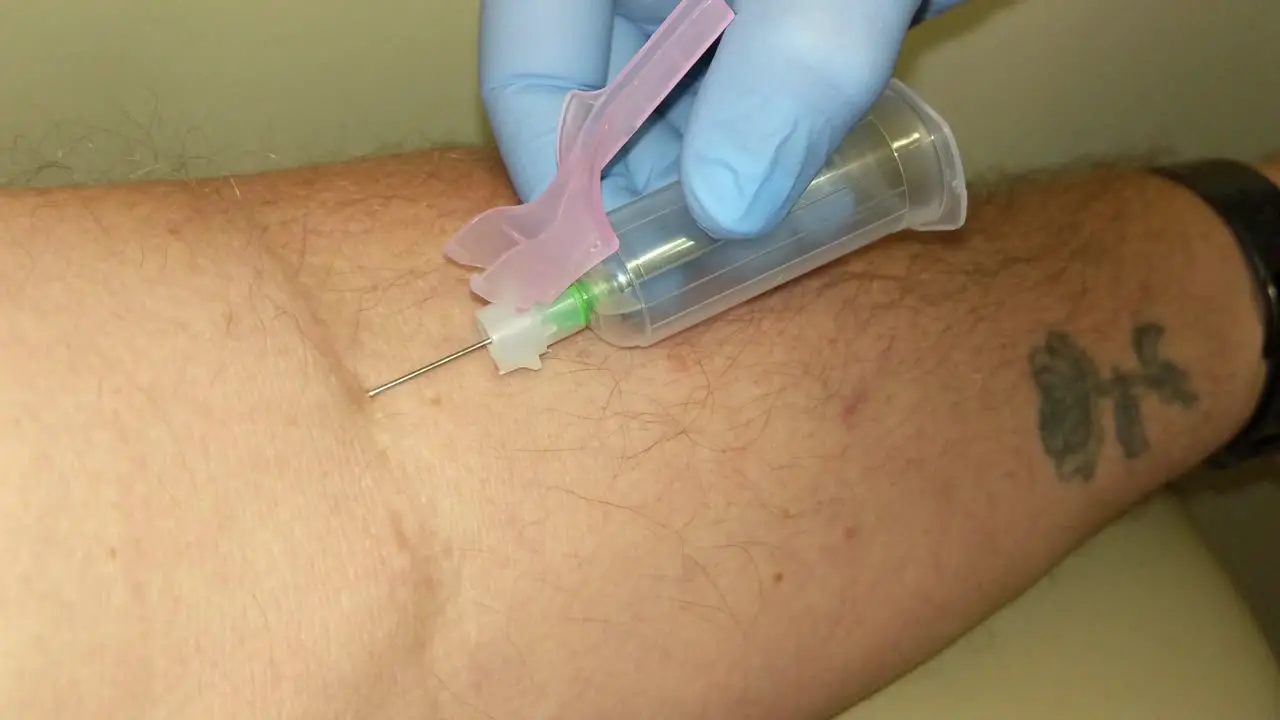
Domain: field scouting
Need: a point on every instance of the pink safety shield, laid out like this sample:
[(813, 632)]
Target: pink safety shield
[(531, 253)]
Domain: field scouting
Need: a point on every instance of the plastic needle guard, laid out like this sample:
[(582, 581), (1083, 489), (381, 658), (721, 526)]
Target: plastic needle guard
[(531, 253)]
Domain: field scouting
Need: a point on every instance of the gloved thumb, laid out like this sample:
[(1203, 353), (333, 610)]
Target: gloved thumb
[(788, 81)]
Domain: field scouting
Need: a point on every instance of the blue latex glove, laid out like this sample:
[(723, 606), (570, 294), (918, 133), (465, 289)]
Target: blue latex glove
[(746, 134)]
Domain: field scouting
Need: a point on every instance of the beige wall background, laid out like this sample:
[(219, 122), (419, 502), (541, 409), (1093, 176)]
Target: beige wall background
[(92, 91)]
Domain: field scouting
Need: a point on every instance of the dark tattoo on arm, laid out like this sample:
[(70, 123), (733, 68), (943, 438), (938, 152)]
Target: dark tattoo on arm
[(1072, 391)]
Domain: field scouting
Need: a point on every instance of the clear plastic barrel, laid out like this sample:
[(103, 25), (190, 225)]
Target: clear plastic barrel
[(898, 169)]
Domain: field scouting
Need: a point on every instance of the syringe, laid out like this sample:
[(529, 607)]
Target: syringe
[(899, 168)]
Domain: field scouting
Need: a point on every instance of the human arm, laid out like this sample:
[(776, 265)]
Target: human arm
[(746, 132), (770, 515)]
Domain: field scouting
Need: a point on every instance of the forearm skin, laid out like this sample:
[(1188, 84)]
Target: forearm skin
[(770, 515)]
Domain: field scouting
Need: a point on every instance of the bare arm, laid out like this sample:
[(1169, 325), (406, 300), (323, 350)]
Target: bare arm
[(771, 515)]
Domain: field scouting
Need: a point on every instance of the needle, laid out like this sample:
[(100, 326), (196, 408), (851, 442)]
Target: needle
[(427, 368)]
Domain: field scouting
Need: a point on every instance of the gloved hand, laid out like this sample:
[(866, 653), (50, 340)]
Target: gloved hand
[(746, 135)]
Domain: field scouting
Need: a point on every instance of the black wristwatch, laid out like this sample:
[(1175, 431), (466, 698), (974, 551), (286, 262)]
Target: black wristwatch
[(1249, 203)]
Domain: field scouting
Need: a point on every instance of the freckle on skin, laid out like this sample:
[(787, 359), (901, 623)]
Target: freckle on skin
[(778, 577), (850, 408), (436, 401), (850, 532)]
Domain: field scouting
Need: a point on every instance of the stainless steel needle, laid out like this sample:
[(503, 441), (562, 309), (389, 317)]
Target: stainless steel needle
[(427, 368)]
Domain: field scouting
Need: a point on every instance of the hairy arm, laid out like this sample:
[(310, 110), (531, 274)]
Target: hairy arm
[(771, 515)]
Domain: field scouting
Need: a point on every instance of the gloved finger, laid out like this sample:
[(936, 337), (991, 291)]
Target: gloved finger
[(933, 8), (616, 188), (532, 53), (679, 106), (654, 158), (787, 83), (645, 14), (651, 158)]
